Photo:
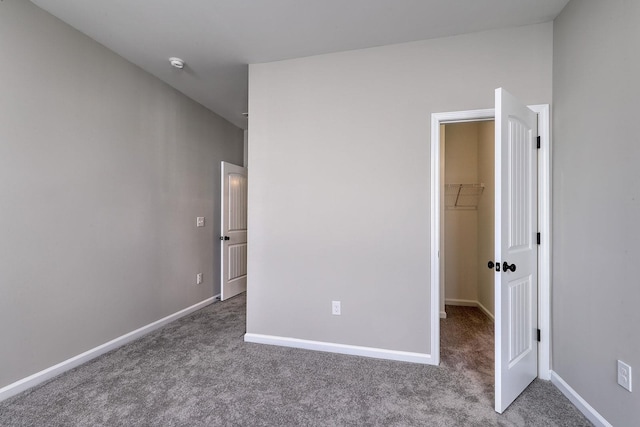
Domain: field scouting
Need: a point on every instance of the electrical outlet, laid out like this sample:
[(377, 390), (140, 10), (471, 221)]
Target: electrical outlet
[(200, 221), (624, 375), (198, 278), (335, 308)]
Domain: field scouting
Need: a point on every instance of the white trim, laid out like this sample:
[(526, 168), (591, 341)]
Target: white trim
[(468, 303), (354, 350), (55, 370), (435, 239), (486, 311), (582, 405), (461, 302), (544, 218), (245, 153), (544, 249), (443, 243)]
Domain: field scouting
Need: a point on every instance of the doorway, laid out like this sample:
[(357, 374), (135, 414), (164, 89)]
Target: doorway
[(543, 226), (467, 239)]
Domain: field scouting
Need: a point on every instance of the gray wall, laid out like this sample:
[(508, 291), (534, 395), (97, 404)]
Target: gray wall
[(339, 196), (596, 199), (103, 170)]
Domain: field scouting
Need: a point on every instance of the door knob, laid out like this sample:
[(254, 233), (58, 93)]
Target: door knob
[(507, 267), (224, 237), (491, 265)]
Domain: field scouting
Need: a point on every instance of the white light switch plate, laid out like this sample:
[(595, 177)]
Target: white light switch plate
[(200, 221)]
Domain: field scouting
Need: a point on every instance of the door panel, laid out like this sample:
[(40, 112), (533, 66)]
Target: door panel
[(233, 231), (516, 292)]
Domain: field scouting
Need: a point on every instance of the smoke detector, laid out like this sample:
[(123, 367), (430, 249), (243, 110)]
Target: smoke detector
[(177, 62)]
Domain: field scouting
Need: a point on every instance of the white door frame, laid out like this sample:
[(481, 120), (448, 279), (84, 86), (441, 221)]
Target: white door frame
[(544, 227)]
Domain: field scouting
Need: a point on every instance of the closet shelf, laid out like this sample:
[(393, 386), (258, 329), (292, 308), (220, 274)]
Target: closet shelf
[(462, 196)]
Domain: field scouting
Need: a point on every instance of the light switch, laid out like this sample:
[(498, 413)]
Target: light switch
[(200, 221)]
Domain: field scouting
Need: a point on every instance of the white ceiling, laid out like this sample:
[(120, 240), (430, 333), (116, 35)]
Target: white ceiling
[(218, 38)]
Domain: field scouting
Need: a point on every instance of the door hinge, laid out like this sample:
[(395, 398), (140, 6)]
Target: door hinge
[(538, 238), (538, 335), (538, 142)]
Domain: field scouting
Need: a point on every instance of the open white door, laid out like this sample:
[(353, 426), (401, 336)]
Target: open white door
[(516, 251), (233, 234)]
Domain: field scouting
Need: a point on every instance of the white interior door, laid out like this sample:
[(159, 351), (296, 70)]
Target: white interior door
[(233, 234), (516, 278)]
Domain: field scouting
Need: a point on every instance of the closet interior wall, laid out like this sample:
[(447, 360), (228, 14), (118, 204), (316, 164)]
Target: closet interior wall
[(469, 232)]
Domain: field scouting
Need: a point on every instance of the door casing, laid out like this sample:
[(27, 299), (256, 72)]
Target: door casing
[(544, 227)]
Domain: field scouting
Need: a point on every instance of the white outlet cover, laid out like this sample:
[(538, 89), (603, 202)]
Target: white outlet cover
[(200, 221), (335, 308), (198, 278), (624, 375)]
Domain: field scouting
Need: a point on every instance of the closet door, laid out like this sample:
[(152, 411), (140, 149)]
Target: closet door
[(516, 279), (233, 235)]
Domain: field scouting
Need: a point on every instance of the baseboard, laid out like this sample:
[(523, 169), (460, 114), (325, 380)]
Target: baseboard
[(486, 311), (377, 353), (468, 303), (443, 314), (461, 302), (53, 371), (582, 405)]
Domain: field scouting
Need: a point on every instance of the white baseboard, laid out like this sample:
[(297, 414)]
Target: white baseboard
[(461, 302), (443, 314), (486, 311), (53, 371), (353, 350), (582, 405), (468, 303)]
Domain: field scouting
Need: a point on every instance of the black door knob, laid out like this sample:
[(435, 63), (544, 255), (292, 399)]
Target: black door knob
[(507, 267), (491, 265), (224, 237)]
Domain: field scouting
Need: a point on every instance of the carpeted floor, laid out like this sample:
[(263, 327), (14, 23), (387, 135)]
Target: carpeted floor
[(467, 344), (198, 371)]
